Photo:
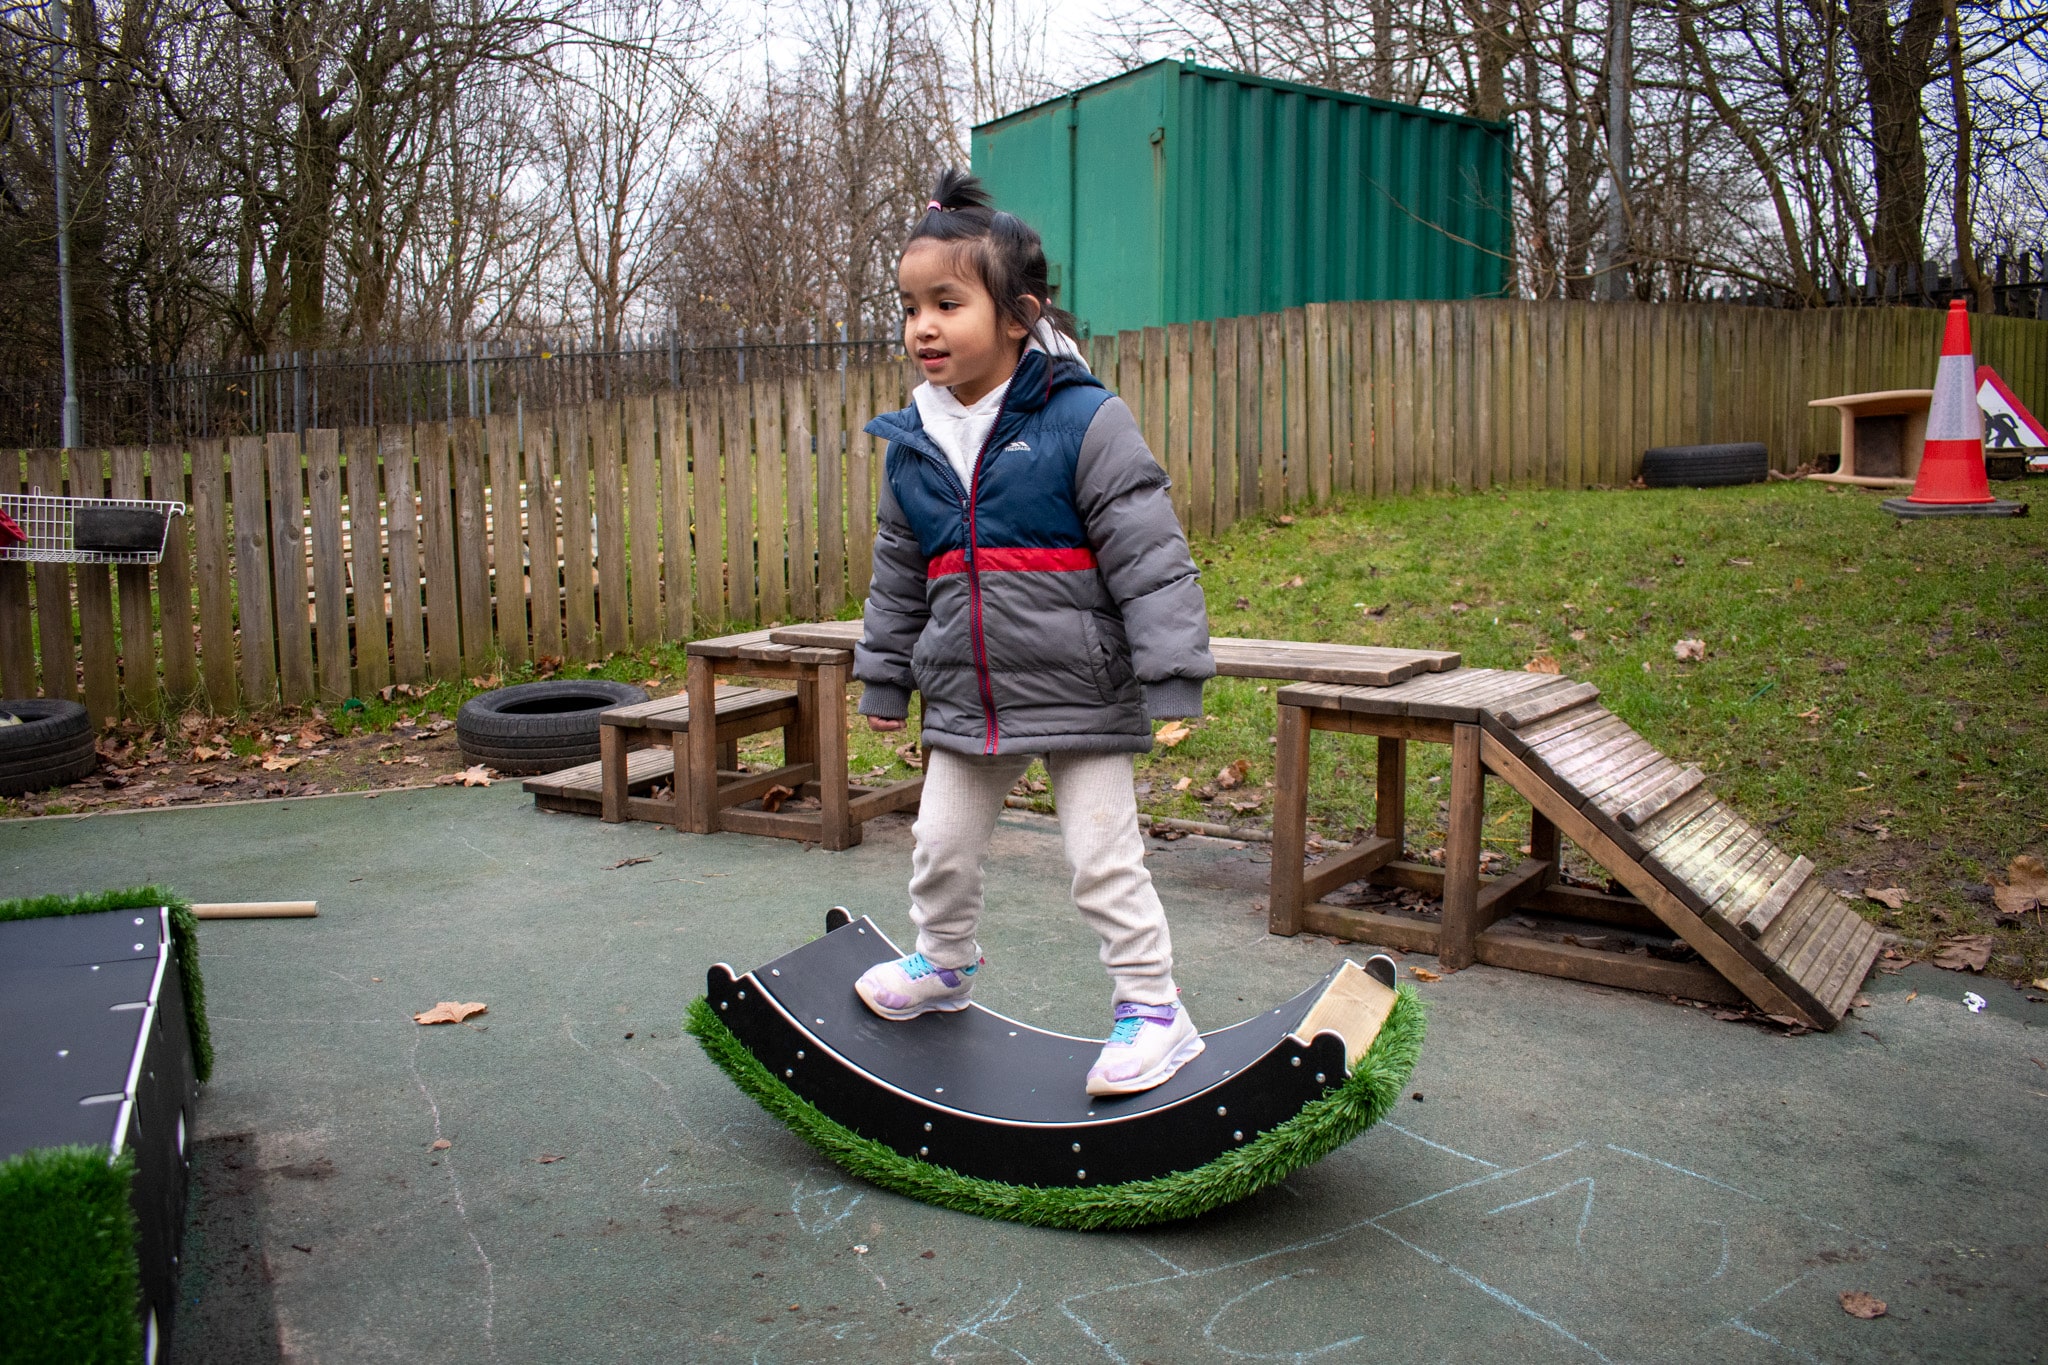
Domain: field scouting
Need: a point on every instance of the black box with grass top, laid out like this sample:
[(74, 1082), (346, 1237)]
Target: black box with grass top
[(99, 1055)]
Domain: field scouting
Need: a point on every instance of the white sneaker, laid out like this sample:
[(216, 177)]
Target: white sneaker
[(1145, 1047), (911, 986)]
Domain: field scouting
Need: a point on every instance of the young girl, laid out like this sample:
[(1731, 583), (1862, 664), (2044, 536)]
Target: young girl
[(1031, 582)]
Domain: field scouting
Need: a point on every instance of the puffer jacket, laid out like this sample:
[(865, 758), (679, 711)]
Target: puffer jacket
[(1058, 608)]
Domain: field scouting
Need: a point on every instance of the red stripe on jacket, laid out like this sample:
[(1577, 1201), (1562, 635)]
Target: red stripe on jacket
[(1018, 560)]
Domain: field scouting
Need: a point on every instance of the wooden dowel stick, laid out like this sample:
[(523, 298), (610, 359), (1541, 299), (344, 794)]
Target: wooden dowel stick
[(256, 910)]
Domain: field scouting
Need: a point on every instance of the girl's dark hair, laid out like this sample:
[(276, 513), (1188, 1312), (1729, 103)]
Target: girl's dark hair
[(1005, 251)]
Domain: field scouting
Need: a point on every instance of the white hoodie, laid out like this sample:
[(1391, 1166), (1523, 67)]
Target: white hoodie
[(959, 430)]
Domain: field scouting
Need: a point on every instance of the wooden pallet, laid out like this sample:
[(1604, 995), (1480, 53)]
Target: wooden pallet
[(1759, 916)]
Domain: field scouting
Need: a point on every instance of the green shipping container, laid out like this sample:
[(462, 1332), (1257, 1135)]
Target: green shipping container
[(1175, 193)]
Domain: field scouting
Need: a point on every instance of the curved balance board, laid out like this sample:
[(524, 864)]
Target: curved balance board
[(984, 1113)]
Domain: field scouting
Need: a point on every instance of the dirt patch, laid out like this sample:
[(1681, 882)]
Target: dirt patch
[(201, 760)]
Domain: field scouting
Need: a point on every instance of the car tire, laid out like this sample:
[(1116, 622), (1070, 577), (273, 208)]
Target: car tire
[(1712, 466), (538, 727), (53, 746)]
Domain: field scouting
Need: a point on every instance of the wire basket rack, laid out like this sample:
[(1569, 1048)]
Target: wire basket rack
[(51, 525)]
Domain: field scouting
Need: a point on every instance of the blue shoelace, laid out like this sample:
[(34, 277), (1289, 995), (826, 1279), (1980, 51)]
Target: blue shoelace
[(918, 965), (1125, 1031)]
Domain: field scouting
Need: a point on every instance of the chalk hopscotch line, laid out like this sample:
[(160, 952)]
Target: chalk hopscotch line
[(1071, 1307)]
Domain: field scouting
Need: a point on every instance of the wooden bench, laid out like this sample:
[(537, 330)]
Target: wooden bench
[(664, 723), (621, 784), (814, 747)]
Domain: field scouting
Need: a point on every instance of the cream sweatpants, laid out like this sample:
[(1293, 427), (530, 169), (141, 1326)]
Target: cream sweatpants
[(1098, 813)]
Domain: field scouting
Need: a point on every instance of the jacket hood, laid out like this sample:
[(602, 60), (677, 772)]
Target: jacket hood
[(1037, 378)]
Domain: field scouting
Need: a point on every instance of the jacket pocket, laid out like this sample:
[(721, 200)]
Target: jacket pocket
[(1108, 655)]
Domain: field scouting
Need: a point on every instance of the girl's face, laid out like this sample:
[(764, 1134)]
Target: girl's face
[(950, 324)]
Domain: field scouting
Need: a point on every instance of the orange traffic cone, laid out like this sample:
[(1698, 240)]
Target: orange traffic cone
[(1951, 481)]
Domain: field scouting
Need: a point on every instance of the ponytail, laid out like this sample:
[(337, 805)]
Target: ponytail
[(1006, 252)]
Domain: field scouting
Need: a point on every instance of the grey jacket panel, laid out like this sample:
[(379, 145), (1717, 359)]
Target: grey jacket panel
[(1075, 659)]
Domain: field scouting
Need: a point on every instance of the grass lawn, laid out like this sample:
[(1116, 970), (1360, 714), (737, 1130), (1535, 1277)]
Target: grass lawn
[(1871, 688)]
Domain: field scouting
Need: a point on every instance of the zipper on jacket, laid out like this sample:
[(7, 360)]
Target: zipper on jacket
[(981, 673)]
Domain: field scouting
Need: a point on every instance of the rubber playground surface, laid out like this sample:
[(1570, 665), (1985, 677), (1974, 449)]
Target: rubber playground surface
[(1585, 1174)]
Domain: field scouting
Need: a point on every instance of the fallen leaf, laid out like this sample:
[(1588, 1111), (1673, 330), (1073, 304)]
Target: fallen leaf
[(202, 754), (1232, 774), (475, 776), (1184, 784), (1811, 716), (1243, 603), (450, 1012), (773, 799), (1578, 635), (1965, 952), (1286, 520), (628, 862), (1295, 582), (1742, 563), (2041, 985), (2025, 888), (280, 764), (1459, 608), (441, 1145), (1858, 1304), (1891, 897), (911, 755), (1166, 835), (1911, 996), (1861, 1002), (1542, 663), (1425, 974), (1172, 733), (547, 1159), (1248, 802), (1690, 650), (1379, 611)]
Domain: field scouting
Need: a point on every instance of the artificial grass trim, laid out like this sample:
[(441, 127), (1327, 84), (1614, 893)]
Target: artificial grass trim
[(1319, 1129), (184, 946), (69, 1280)]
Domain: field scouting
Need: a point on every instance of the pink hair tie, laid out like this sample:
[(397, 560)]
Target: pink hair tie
[(935, 207)]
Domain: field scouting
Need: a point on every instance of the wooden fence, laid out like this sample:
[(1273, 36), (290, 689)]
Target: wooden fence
[(321, 568)]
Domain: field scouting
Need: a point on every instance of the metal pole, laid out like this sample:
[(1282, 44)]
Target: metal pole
[(1620, 75), (60, 134)]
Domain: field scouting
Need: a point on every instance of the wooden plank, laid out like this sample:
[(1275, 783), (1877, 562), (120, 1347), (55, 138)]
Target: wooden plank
[(896, 796), (1797, 919), (864, 473), (437, 549), (1401, 386), (1760, 916), (1577, 717), (1458, 403), (132, 589), (1831, 934), (1511, 890), (291, 591), (1360, 379), (252, 580), (1130, 380), (365, 529), (508, 547), (1837, 990), (99, 657), (1272, 415), (1713, 877), (175, 580), (740, 569), (1719, 953), (1461, 850), (334, 678), (1748, 882), (1251, 433), (579, 555), (1430, 472), (1508, 946), (56, 643), (643, 522), (212, 568), (542, 538), (771, 526), (832, 527), (608, 481), (1178, 436), (707, 523), (472, 550), (1314, 388), (1402, 933), (1621, 785), (1223, 405), (1199, 377), (1152, 413), (1527, 711), (1355, 863), (803, 497), (1287, 894), (1343, 467), (402, 519), (1640, 810)]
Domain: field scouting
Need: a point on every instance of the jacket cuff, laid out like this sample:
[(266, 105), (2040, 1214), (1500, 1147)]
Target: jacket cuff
[(884, 700), (1173, 698)]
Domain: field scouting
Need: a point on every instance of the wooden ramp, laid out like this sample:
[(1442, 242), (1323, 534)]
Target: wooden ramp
[(1760, 917)]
